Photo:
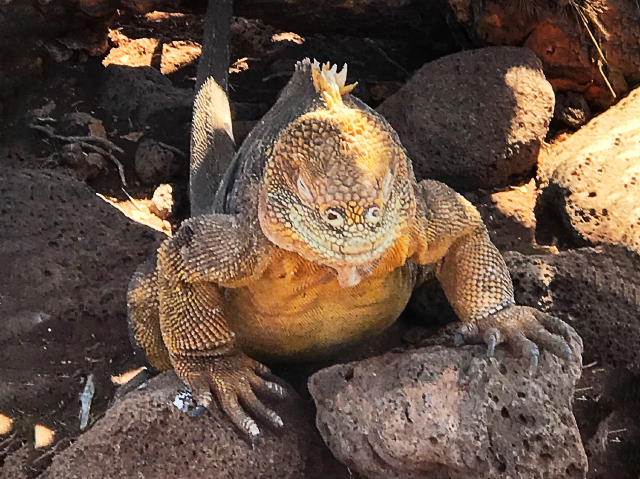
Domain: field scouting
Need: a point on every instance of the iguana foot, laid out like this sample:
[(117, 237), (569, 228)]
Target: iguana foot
[(525, 330), (234, 379)]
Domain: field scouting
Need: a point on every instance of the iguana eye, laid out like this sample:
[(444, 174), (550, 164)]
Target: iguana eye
[(373, 215), (334, 217)]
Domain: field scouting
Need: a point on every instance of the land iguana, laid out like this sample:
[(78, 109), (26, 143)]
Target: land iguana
[(314, 240)]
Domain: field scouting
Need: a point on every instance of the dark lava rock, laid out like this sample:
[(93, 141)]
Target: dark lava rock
[(596, 290), (67, 257), (474, 119), (149, 100), (155, 163), (145, 435)]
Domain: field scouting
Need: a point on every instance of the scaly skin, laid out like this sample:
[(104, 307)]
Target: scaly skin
[(317, 245)]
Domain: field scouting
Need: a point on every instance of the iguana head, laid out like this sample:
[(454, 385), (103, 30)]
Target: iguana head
[(338, 186)]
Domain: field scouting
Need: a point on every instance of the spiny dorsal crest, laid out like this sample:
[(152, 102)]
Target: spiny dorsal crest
[(330, 83)]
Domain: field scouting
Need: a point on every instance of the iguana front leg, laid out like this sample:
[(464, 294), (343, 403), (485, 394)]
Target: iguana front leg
[(209, 253), (449, 232)]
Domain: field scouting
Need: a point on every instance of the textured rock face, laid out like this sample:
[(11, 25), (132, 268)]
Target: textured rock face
[(593, 177), (148, 98), (155, 163), (67, 257), (450, 413), (52, 264), (144, 435), (595, 290), (556, 32), (474, 119), (25, 25)]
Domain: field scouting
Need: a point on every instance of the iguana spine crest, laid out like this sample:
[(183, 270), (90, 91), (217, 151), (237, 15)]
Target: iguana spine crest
[(330, 83)]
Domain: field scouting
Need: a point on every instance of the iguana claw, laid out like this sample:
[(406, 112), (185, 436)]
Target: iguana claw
[(234, 379), (468, 333), (526, 330), (492, 338)]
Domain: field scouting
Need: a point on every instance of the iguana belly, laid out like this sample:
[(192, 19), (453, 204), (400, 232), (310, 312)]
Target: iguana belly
[(297, 310)]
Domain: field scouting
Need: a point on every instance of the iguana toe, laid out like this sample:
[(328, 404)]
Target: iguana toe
[(468, 334), (492, 338), (526, 330), (233, 379)]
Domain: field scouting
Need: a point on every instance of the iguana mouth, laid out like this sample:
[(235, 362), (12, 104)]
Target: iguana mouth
[(344, 251)]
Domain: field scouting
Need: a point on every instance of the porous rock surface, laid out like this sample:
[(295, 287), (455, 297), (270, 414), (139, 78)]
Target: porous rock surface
[(67, 258), (144, 435), (155, 163), (557, 33), (441, 412), (592, 177), (596, 290), (52, 266), (475, 119)]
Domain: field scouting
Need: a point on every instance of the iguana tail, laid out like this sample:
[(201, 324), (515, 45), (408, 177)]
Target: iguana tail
[(212, 143)]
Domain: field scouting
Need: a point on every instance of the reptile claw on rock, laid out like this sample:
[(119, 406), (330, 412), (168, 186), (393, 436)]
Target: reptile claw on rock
[(492, 342), (254, 435), (534, 357)]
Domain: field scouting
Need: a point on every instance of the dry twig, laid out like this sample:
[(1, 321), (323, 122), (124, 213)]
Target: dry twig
[(101, 146)]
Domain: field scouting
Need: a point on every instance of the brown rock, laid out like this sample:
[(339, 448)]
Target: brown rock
[(595, 290), (450, 413), (149, 99), (177, 55), (138, 52), (566, 57), (475, 119), (557, 33), (96, 8), (621, 43), (255, 39), (79, 124), (17, 68), (67, 258), (498, 24), (592, 178), (143, 6), (155, 164), (86, 166), (571, 109), (509, 216), (162, 204), (337, 15), (144, 435), (54, 251), (14, 461)]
